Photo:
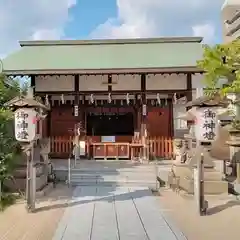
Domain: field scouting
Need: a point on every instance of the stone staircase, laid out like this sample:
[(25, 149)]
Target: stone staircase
[(113, 173)]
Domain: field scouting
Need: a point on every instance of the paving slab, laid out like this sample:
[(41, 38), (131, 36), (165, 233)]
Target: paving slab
[(104, 225), (114, 213), (130, 226)]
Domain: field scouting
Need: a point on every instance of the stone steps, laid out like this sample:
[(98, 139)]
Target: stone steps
[(114, 184), (106, 175)]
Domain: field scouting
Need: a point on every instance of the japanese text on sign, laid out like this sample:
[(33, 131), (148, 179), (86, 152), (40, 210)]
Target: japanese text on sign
[(76, 110), (25, 125), (206, 127)]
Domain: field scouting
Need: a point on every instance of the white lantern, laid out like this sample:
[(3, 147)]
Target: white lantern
[(25, 124), (206, 124)]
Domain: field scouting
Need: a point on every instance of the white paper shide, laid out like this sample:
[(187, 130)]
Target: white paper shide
[(206, 124), (25, 124)]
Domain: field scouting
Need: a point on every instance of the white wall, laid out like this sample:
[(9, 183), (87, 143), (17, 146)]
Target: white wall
[(166, 81), (93, 82), (126, 82), (54, 83)]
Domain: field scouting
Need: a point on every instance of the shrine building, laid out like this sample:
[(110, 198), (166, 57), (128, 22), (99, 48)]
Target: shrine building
[(115, 92)]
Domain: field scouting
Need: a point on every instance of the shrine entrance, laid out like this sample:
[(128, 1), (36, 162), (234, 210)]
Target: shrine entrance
[(110, 105), (110, 124)]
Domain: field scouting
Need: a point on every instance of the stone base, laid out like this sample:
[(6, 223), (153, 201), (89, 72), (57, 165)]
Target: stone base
[(21, 172), (210, 187), (45, 190), (181, 177), (20, 183), (236, 187)]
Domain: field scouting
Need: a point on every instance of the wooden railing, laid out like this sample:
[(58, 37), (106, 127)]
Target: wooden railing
[(160, 147), (61, 146)]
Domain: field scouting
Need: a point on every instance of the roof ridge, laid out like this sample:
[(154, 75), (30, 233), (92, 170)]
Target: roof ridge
[(111, 41)]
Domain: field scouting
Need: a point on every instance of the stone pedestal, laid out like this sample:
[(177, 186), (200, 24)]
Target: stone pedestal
[(182, 175), (234, 144), (40, 160), (177, 149), (19, 182), (220, 150)]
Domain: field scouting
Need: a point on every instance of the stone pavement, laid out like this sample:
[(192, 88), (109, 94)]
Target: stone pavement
[(108, 213)]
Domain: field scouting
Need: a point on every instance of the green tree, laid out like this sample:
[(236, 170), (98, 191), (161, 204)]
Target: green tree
[(220, 62), (9, 88)]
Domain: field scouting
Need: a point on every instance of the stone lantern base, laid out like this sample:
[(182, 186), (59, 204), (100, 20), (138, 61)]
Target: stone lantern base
[(182, 175), (234, 144), (40, 160)]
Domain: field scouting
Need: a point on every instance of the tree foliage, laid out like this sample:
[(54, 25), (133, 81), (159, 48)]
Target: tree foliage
[(9, 88), (222, 61)]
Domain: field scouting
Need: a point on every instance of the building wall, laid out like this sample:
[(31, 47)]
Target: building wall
[(159, 120), (62, 120), (54, 83), (231, 20), (126, 82), (166, 81), (93, 83), (119, 82)]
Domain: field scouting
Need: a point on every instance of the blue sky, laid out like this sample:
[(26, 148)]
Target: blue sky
[(87, 15), (87, 19)]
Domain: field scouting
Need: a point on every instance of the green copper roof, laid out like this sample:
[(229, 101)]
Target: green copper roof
[(98, 55)]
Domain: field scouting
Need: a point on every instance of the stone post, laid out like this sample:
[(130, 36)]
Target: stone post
[(234, 144)]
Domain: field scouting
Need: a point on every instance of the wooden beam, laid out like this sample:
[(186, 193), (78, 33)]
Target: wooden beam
[(163, 70), (119, 92), (189, 88), (143, 90), (110, 83), (76, 89), (49, 129), (144, 115), (33, 83)]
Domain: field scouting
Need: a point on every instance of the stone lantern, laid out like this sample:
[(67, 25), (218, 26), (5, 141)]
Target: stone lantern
[(182, 174), (38, 147)]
